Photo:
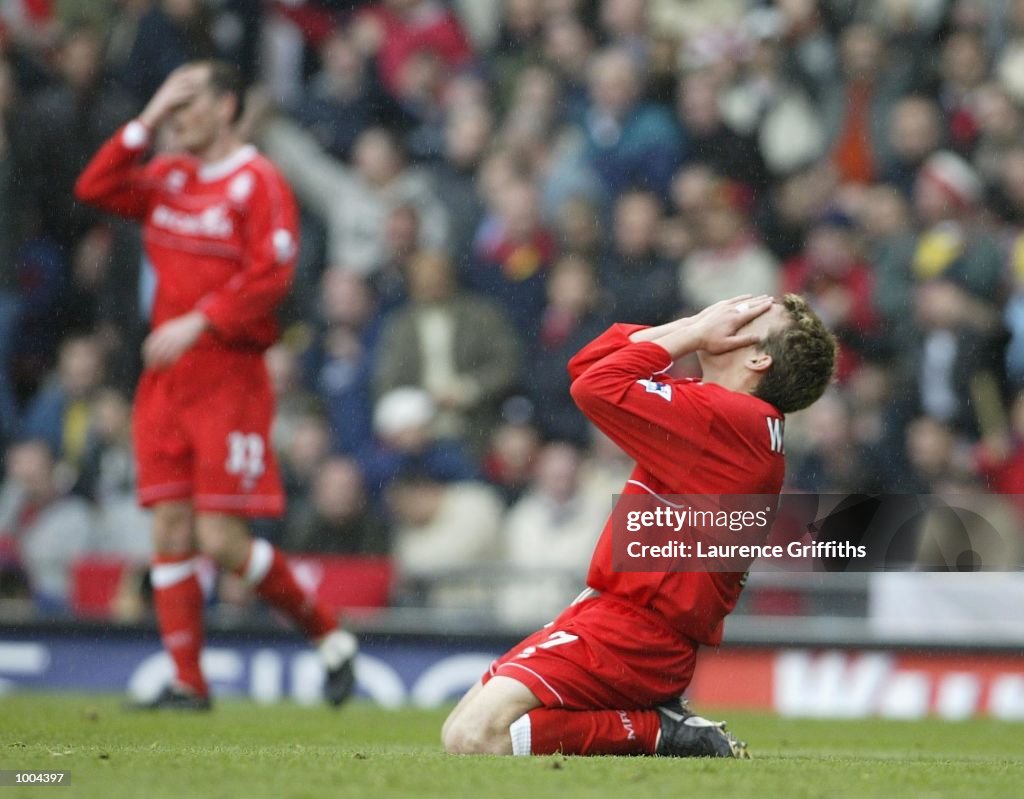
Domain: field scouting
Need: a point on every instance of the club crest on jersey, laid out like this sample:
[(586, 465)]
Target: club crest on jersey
[(663, 390)]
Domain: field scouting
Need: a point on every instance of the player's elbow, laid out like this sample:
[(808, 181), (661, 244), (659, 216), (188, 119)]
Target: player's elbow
[(587, 391), (86, 189), (82, 190)]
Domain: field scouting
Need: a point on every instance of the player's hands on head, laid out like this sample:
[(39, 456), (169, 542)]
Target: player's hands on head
[(180, 87), (719, 327), (170, 340)]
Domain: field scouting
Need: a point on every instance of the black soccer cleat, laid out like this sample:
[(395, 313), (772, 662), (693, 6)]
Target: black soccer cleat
[(338, 652), (174, 698), (685, 734)]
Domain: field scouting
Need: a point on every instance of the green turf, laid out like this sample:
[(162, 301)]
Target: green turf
[(250, 752)]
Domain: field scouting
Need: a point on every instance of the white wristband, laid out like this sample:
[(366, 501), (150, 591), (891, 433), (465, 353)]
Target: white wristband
[(135, 135)]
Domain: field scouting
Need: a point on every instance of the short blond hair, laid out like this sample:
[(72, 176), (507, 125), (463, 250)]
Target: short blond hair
[(803, 359)]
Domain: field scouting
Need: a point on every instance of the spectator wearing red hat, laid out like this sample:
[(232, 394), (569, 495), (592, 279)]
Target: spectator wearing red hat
[(950, 245)]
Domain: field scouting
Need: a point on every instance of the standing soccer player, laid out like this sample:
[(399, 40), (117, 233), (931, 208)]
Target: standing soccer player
[(607, 675), (220, 229)]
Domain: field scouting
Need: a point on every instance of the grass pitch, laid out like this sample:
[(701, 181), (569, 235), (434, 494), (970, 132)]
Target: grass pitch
[(245, 751)]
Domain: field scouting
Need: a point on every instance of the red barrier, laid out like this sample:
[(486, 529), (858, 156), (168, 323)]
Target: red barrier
[(861, 683), (340, 582)]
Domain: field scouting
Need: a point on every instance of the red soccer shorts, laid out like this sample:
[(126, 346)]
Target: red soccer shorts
[(202, 430), (601, 653)]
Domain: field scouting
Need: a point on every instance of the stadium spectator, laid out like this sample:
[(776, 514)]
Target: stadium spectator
[(548, 537), (571, 318), (303, 455), (338, 364), (962, 69), (512, 253), (568, 47), (42, 526), (107, 478), (579, 229), (69, 122), (343, 99), (340, 519), (728, 253), (931, 451), (629, 143), (60, 414), (858, 102), (509, 462), (1000, 455), (442, 531), (640, 285), (1001, 124), (956, 365), (839, 284), (292, 401), (833, 462), (914, 134), (625, 24), (710, 139), (454, 176), (604, 469), (405, 441), (355, 202), (517, 46), (169, 34), (949, 243), (397, 32), (454, 345), (13, 155)]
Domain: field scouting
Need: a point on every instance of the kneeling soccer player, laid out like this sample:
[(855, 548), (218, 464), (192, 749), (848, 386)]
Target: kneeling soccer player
[(607, 676)]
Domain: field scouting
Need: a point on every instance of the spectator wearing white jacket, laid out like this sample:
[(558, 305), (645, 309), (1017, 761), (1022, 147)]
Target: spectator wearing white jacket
[(549, 537), (355, 202), (43, 529)]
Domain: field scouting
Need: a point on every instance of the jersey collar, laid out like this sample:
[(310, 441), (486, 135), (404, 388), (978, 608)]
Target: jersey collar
[(217, 170)]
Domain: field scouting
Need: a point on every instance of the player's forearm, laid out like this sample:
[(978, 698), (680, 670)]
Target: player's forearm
[(245, 301), (653, 333), (680, 340), (109, 181)]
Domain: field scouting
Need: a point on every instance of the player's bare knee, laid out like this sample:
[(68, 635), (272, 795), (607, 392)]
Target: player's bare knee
[(173, 528), (223, 538), (447, 726), (461, 738)]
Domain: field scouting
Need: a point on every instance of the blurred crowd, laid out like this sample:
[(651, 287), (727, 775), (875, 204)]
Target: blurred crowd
[(485, 186)]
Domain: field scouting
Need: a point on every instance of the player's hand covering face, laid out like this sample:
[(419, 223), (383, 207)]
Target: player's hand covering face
[(178, 90), (734, 323)]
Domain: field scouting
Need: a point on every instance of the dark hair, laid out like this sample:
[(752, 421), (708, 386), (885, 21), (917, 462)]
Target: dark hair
[(803, 359), (225, 78)]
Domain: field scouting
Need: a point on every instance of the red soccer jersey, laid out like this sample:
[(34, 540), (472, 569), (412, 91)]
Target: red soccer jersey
[(222, 237), (687, 437)]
